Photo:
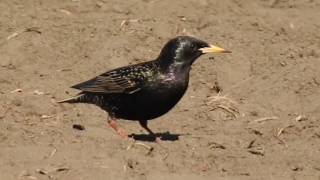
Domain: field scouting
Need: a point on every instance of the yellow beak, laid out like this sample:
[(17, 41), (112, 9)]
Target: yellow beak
[(214, 49)]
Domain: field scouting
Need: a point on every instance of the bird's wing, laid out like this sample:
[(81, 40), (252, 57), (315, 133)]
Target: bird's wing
[(121, 80)]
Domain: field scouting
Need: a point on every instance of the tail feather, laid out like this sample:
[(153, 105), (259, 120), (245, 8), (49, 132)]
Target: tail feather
[(85, 98), (75, 99)]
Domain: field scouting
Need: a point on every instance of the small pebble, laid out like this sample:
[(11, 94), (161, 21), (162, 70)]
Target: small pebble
[(78, 127)]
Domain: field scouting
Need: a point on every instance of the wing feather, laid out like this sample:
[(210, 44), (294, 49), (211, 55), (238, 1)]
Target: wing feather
[(121, 80)]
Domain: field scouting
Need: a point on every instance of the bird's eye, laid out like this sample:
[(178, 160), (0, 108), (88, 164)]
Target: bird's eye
[(193, 47)]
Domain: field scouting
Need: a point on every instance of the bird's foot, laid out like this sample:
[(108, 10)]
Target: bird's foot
[(158, 140), (121, 132)]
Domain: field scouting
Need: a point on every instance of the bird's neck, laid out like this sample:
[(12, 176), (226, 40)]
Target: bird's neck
[(176, 70), (171, 64)]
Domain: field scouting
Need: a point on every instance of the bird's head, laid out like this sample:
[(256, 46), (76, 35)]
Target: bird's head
[(185, 50)]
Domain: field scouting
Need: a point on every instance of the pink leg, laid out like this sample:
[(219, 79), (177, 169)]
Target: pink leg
[(121, 132)]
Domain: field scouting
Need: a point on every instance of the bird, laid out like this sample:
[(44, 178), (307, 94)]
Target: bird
[(147, 90)]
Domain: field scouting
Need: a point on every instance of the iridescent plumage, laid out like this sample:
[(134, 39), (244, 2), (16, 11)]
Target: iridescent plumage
[(147, 90)]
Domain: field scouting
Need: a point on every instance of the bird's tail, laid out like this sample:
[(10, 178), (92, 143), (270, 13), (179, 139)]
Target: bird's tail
[(84, 98), (75, 99)]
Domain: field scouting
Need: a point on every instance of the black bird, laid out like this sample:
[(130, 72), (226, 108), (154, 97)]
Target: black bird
[(145, 91)]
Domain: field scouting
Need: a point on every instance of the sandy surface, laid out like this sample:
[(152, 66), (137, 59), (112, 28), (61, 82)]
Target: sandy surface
[(272, 78)]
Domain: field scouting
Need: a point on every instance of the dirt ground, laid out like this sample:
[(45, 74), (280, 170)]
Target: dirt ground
[(272, 78)]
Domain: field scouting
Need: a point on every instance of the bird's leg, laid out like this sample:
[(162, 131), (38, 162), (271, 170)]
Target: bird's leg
[(113, 124), (121, 132), (144, 124)]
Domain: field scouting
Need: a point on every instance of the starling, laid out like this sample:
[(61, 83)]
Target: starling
[(147, 90)]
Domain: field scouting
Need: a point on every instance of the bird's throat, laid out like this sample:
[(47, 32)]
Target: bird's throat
[(177, 71)]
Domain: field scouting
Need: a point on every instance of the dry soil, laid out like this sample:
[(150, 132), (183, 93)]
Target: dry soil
[(272, 79)]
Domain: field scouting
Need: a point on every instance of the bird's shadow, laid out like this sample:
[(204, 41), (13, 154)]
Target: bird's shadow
[(166, 136)]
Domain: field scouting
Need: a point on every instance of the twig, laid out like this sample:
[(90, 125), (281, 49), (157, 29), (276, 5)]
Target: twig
[(123, 23), (31, 29), (220, 98), (65, 11), (43, 172), (16, 90), (281, 140), (259, 152), (224, 103), (13, 35), (250, 145), (53, 152), (214, 145), (141, 144), (301, 118), (47, 173), (281, 130), (229, 110), (24, 174), (46, 116), (37, 92), (265, 119)]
